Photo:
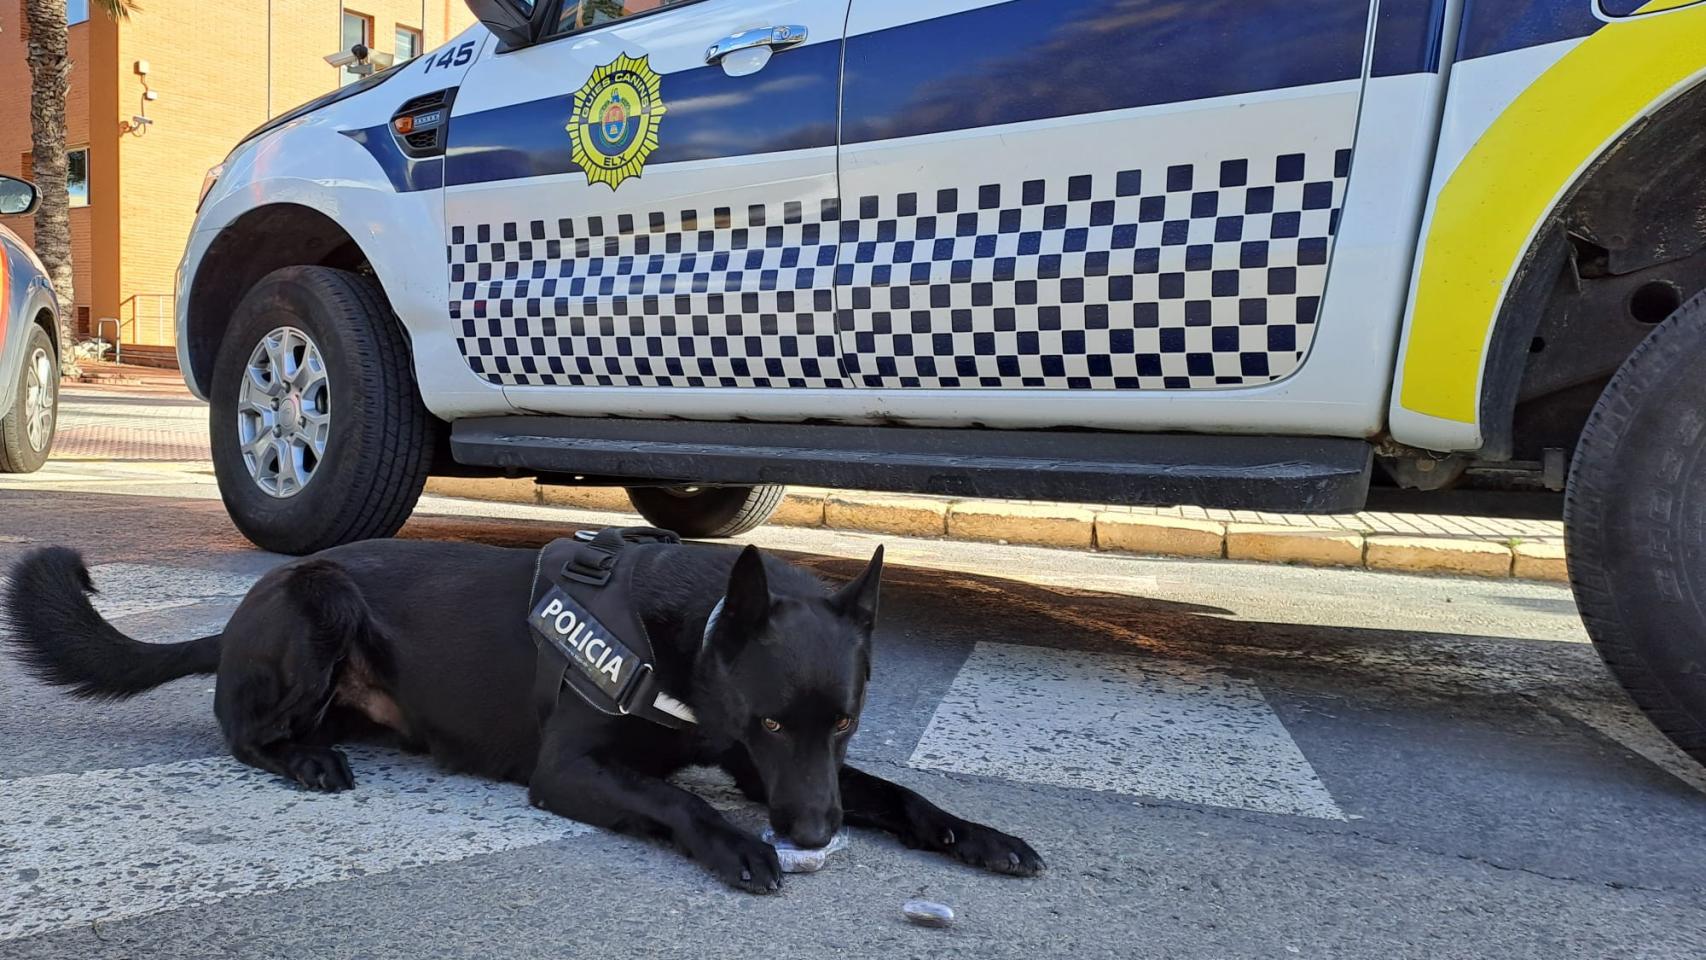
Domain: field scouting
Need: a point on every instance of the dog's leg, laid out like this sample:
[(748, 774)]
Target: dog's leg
[(606, 794), (276, 681), (871, 801)]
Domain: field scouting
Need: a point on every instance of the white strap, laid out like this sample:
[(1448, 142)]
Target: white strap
[(674, 707)]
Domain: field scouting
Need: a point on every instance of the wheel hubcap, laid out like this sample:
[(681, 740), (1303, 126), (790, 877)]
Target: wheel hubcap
[(284, 412), (39, 384)]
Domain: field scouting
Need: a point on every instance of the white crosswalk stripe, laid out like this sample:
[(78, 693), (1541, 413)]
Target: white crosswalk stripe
[(126, 589), (1093, 721), (110, 844)]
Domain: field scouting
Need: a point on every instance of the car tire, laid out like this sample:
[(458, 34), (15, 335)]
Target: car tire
[(706, 513), (373, 449), (23, 450), (1635, 526)]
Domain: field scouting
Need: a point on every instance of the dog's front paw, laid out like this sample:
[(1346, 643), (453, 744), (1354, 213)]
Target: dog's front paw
[(980, 846), (320, 768), (742, 861)]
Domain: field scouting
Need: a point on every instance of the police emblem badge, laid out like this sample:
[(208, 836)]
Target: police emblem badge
[(614, 121)]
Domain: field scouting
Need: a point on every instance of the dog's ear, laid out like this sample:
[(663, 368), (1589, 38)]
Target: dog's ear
[(858, 599), (746, 606)]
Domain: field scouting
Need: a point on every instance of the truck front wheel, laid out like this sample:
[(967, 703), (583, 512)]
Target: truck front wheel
[(318, 432), (1635, 525)]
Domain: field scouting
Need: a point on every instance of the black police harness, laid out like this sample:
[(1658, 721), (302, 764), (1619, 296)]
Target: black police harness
[(590, 638)]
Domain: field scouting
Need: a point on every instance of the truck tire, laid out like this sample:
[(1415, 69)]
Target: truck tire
[(26, 430), (318, 432), (705, 513), (1635, 526)]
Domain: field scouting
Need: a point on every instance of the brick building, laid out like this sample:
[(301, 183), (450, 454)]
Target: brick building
[(218, 70)]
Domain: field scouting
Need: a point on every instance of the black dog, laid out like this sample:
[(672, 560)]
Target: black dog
[(430, 641)]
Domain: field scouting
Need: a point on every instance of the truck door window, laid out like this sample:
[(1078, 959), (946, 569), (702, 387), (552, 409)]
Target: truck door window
[(591, 13)]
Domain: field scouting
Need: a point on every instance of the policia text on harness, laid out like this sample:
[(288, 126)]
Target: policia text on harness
[(590, 638)]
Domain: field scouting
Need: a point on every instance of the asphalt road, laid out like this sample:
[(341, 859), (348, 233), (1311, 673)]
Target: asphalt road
[(1217, 760)]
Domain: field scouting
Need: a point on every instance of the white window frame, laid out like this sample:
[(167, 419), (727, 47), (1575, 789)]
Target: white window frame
[(87, 177)]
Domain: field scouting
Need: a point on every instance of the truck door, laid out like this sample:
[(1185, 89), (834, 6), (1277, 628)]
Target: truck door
[(1091, 195), (647, 198)]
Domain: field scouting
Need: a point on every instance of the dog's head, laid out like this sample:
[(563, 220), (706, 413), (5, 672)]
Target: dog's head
[(784, 674)]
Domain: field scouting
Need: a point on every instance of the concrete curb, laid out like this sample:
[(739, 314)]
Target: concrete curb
[(1075, 527)]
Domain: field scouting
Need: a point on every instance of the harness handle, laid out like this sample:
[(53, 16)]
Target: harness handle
[(593, 560)]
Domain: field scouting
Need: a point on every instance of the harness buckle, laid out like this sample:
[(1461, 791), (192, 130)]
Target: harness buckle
[(636, 687)]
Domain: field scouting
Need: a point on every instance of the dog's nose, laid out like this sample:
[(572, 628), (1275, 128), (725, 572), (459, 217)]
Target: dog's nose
[(811, 839), (812, 831)]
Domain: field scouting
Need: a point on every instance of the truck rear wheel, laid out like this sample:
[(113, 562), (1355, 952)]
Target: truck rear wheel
[(318, 432), (1635, 525), (707, 512)]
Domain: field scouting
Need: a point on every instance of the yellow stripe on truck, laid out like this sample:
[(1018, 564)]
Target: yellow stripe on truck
[(1659, 6), (1490, 208)]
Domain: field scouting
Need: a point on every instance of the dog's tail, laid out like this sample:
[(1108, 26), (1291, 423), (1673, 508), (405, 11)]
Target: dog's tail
[(50, 626)]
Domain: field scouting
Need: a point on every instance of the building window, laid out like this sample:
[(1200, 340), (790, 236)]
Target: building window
[(76, 173), (76, 11), (77, 176), (408, 43), (358, 28)]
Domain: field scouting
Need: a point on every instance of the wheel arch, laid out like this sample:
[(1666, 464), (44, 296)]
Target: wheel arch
[(1623, 248), (256, 243), (44, 318), (1499, 217)]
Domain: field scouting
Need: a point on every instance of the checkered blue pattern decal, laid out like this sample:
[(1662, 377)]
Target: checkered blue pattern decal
[(679, 299), (1181, 277)]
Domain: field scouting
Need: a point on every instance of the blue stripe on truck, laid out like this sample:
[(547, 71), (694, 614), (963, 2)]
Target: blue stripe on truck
[(790, 105), (1037, 59)]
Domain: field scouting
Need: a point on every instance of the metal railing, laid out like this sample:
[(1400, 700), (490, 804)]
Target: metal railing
[(149, 318), (118, 339)]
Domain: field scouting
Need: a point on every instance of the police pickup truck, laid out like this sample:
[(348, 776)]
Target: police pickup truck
[(1235, 253)]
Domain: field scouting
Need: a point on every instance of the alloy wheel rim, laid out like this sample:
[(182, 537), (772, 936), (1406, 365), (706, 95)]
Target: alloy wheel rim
[(284, 412), (39, 385)]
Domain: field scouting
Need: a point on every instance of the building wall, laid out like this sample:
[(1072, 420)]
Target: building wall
[(212, 85), (15, 133), (220, 70)]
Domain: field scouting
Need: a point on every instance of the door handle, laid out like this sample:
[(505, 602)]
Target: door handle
[(776, 38)]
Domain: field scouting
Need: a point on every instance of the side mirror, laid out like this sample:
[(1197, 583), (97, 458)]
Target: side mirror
[(17, 196), (511, 20)]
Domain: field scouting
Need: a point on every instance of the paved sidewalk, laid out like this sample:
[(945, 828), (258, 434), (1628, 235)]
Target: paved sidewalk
[(159, 421), (104, 422)]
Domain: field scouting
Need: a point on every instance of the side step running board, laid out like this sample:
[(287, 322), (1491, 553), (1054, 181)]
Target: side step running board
[(1291, 474)]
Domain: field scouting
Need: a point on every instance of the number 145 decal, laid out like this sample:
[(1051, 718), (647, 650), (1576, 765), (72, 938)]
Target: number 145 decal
[(457, 56)]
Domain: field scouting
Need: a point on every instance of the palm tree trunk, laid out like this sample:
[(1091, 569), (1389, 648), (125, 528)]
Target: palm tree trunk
[(49, 57)]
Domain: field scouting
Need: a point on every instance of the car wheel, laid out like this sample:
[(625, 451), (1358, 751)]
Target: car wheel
[(1635, 526), (707, 512), (26, 431), (318, 432)]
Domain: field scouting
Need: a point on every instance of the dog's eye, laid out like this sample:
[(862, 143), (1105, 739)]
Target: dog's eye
[(843, 725), (771, 725)]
